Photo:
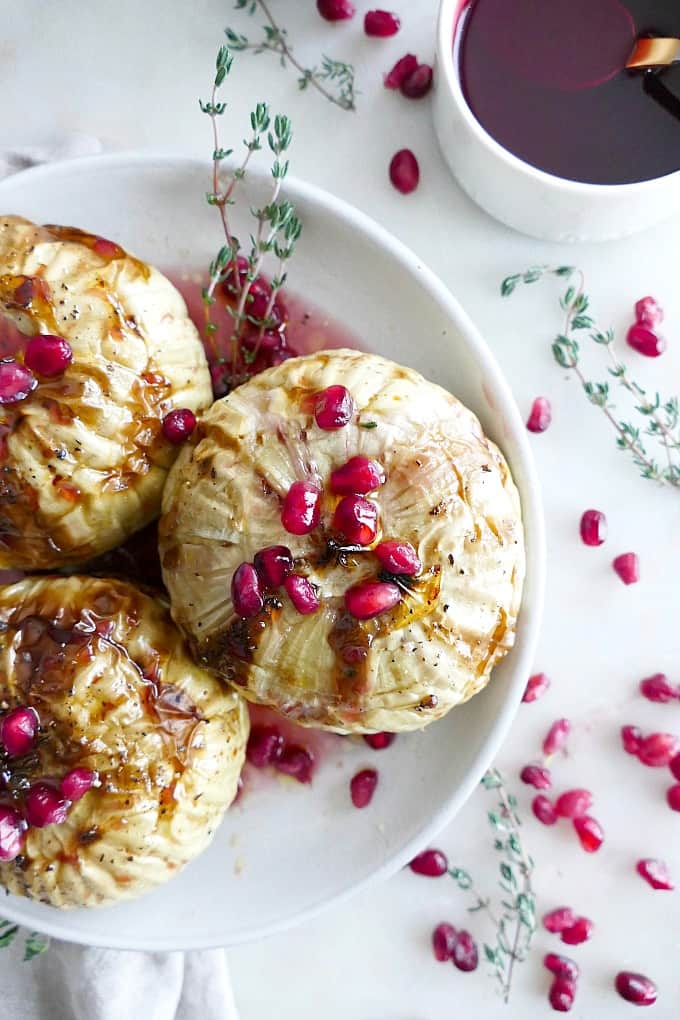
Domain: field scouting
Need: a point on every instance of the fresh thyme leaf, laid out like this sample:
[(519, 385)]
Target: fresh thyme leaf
[(35, 945), (368, 424)]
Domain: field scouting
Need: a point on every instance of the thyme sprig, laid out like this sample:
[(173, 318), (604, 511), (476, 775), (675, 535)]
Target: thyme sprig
[(34, 945), (654, 444), (514, 919), (334, 79)]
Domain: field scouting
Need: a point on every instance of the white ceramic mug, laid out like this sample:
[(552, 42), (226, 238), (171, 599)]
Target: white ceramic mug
[(520, 195)]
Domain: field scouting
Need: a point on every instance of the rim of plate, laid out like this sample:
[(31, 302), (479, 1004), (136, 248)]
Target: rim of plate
[(534, 526)]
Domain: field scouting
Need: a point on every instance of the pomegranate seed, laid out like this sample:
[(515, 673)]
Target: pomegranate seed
[(301, 509), (401, 70), (357, 477), (556, 737), (574, 803), (465, 956), (536, 776), (398, 557), (16, 381), (12, 833), (655, 873), (404, 171), (658, 750), (674, 766), (297, 762), (273, 565), (77, 782), (48, 355), (561, 966), (578, 932), (245, 591), (562, 994), (362, 787), (418, 83), (107, 249), (431, 863), (443, 941), (673, 797), (589, 832), (18, 730), (257, 300), (635, 988), (593, 527), (229, 285), (381, 24), (265, 746), (537, 685), (178, 425), (334, 408), (645, 341), (357, 519), (45, 806), (371, 598), (559, 919), (335, 10), (658, 688), (541, 415), (379, 741), (543, 810), (649, 311), (302, 594), (631, 738), (627, 566)]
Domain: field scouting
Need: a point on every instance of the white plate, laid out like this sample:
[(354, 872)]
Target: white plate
[(287, 851)]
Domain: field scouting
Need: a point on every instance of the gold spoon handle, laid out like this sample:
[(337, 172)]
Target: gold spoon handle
[(651, 53)]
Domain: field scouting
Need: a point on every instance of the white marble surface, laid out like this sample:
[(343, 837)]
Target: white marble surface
[(131, 73)]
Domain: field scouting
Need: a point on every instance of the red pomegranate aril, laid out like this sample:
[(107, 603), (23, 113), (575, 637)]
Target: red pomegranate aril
[(379, 741), (558, 919), (465, 955), (178, 425), (398, 557), (335, 10), (107, 249), (674, 766), (431, 863), (556, 737), (561, 966), (404, 171), (673, 797), (12, 833), (371, 598), (265, 746), (536, 776), (404, 67), (45, 806), (48, 355), (18, 730), (541, 415), (302, 594), (544, 810), (645, 341), (16, 381), (658, 688), (578, 932), (297, 762), (77, 782), (627, 566), (362, 787), (562, 994), (537, 685), (589, 832), (655, 873), (229, 285), (574, 803), (444, 939), (649, 311), (301, 509), (381, 24), (635, 988), (357, 519), (593, 527), (334, 408), (257, 302), (245, 591), (357, 477), (418, 83), (631, 738), (273, 565), (658, 749)]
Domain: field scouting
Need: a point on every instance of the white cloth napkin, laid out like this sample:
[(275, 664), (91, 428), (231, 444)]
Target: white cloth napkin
[(71, 982)]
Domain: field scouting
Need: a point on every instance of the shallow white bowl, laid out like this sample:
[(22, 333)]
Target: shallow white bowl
[(287, 850), (520, 195)]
